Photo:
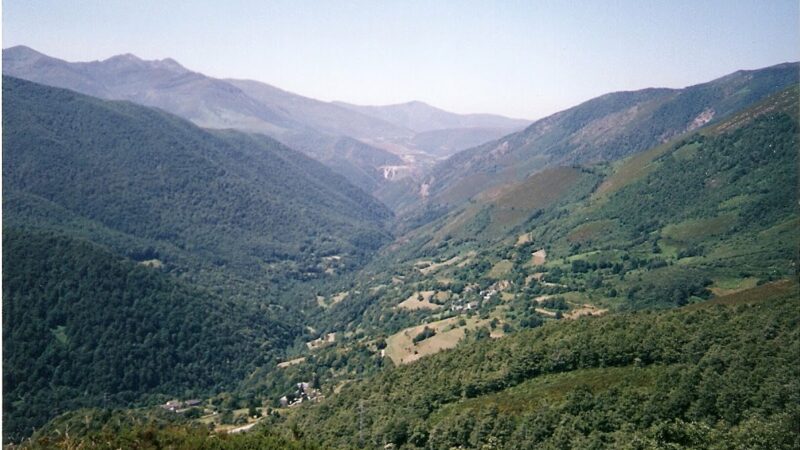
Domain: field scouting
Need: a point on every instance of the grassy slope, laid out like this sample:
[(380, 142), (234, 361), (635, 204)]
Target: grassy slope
[(602, 129), (697, 206)]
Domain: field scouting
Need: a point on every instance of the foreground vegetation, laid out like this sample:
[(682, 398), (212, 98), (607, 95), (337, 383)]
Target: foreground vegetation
[(146, 437), (82, 328), (720, 375)]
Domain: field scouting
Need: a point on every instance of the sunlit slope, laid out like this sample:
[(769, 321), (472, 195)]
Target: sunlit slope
[(603, 129)]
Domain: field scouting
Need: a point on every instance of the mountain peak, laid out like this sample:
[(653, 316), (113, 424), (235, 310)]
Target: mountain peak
[(170, 64), (125, 57), (129, 59), (21, 48), (21, 52)]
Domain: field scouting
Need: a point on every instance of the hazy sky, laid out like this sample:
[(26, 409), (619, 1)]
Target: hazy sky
[(523, 59)]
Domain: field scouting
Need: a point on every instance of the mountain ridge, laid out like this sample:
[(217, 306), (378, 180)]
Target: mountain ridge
[(323, 130), (152, 167), (420, 116), (604, 128)]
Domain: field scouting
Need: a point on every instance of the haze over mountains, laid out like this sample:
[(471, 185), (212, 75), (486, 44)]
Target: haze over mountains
[(420, 117), (368, 149), (392, 151)]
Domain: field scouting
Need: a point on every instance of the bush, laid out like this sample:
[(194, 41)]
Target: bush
[(424, 334)]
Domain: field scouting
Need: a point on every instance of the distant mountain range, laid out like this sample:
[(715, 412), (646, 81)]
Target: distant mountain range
[(421, 117), (365, 147)]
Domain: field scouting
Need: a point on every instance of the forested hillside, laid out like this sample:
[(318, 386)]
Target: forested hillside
[(144, 255), (307, 125), (84, 327), (588, 300), (153, 186), (705, 214)]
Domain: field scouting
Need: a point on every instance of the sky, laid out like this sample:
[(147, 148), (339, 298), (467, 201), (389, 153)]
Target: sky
[(524, 59)]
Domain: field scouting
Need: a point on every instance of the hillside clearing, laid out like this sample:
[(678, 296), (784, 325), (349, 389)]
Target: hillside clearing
[(429, 267), (585, 310), (539, 257), (523, 239), (291, 362), (419, 300), (501, 269), (401, 349)]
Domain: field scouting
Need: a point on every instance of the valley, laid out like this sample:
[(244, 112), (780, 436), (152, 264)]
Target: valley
[(198, 262)]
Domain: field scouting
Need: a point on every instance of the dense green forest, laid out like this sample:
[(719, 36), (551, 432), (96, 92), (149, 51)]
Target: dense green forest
[(83, 327), (144, 255), (153, 186), (154, 435)]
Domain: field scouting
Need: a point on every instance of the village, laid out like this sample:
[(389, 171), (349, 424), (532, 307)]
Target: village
[(222, 419)]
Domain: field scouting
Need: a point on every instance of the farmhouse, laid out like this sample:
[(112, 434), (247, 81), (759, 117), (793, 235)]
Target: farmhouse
[(303, 392), (178, 406)]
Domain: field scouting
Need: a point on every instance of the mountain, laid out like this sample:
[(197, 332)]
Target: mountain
[(145, 182), (421, 117), (602, 129), (215, 103), (369, 151), (322, 116), (146, 256), (703, 215), (163, 84), (645, 302), (449, 141), (622, 274)]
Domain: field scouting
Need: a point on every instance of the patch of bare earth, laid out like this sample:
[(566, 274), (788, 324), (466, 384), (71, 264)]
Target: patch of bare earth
[(539, 257), (291, 362), (523, 239), (419, 300), (533, 277), (401, 349), (324, 341), (585, 310), (338, 298)]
